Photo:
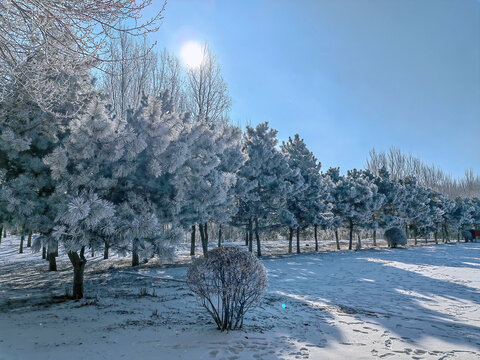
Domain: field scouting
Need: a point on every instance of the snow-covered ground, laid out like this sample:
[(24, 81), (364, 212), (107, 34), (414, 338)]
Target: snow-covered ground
[(419, 303)]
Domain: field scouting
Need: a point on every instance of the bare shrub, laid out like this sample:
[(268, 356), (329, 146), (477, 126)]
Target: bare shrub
[(395, 237), (228, 282)]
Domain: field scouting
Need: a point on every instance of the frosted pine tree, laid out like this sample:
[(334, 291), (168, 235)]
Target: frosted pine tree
[(358, 198), (82, 220), (389, 214), (307, 200), (231, 160), (266, 174), (207, 179), (415, 206), (146, 178), (28, 134), (113, 183), (476, 210), (435, 215), (333, 184), (448, 219), (83, 168), (462, 216), (422, 219)]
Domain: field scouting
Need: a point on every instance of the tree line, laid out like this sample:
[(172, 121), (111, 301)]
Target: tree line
[(136, 161)]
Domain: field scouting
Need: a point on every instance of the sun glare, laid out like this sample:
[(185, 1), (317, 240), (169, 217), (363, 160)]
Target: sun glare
[(192, 54)]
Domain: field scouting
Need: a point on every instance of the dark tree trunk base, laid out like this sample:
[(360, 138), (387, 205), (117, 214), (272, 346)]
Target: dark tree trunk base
[(298, 240), (105, 251), (250, 236), (257, 236), (337, 240), (22, 239), (192, 242), (290, 240), (204, 238), (219, 235), (135, 258), (52, 262), (78, 263)]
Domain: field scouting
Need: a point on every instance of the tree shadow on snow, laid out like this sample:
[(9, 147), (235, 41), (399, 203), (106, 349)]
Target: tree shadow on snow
[(381, 287)]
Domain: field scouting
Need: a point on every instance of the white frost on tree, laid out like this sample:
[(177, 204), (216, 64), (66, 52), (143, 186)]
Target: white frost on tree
[(308, 201)]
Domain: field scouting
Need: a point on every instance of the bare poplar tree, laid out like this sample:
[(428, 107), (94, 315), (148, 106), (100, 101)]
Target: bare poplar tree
[(128, 76), (136, 71), (66, 33), (207, 92), (401, 166), (167, 77)]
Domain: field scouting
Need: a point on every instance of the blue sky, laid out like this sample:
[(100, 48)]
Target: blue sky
[(347, 75)]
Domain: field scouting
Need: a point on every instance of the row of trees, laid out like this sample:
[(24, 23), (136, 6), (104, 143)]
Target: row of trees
[(95, 180), (138, 161)]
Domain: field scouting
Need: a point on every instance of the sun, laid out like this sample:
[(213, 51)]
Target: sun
[(192, 54)]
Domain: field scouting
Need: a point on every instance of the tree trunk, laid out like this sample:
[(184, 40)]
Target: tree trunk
[(1, 233), (351, 235), (435, 235), (44, 252), (22, 238), (105, 251), (205, 230), (447, 235), (250, 235), (52, 262), (93, 252), (219, 235), (29, 241), (406, 231), (359, 243), (257, 236), (426, 239), (203, 237), (374, 237), (298, 240), (4, 233), (135, 258), (315, 236), (192, 241), (290, 239), (415, 234), (458, 238), (78, 263), (337, 240), (246, 235)]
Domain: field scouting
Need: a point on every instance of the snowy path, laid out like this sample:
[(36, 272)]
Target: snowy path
[(419, 303)]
